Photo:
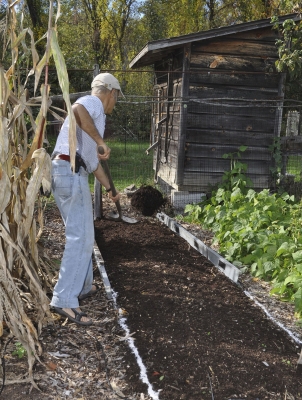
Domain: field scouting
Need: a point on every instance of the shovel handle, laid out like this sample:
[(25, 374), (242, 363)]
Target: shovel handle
[(112, 187)]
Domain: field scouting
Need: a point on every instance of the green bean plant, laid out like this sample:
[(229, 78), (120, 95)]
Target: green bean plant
[(259, 232)]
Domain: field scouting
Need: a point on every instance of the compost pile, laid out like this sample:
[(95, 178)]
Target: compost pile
[(147, 200)]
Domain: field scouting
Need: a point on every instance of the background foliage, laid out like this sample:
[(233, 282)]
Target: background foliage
[(111, 33)]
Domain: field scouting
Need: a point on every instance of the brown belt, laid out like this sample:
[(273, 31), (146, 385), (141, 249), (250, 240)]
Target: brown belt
[(62, 157)]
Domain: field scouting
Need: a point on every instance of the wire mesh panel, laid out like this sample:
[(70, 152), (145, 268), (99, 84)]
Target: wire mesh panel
[(217, 129), (194, 142), (226, 137), (291, 149), (128, 132)]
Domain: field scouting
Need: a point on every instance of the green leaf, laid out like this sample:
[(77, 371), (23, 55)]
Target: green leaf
[(189, 208), (271, 250), (251, 194), (254, 267), (237, 263), (227, 235), (238, 226), (258, 253), (298, 299), (268, 266), (297, 256), (281, 230), (235, 195), (290, 279), (284, 248), (248, 259)]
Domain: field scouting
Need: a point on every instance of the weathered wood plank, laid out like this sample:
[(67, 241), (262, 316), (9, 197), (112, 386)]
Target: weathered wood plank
[(216, 165), (229, 107), (223, 123), (215, 152), (173, 132), (230, 122), (172, 147), (233, 93), (170, 162), (230, 137), (237, 47), (259, 35), (233, 63), (266, 36), (226, 138), (167, 174), (245, 80)]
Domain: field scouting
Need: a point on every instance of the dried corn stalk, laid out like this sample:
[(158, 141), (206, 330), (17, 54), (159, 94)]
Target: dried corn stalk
[(24, 168)]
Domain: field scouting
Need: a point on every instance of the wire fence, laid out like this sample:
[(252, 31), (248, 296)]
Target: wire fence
[(213, 128)]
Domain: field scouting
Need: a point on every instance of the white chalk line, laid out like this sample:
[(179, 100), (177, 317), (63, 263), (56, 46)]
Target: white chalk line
[(143, 371), (290, 333), (122, 321)]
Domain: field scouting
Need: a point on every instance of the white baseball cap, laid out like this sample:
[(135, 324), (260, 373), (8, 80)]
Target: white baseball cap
[(107, 80)]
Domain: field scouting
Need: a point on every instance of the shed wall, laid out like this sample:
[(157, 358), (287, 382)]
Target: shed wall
[(232, 97)]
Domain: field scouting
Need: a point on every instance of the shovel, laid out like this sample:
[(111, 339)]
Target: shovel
[(113, 215)]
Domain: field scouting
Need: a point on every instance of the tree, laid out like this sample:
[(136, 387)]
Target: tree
[(153, 20), (290, 55), (95, 11), (118, 19)]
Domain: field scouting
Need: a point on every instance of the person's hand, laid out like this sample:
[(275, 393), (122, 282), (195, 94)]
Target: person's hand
[(115, 198), (106, 154)]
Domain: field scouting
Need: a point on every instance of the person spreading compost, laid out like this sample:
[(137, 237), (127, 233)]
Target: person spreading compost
[(73, 198)]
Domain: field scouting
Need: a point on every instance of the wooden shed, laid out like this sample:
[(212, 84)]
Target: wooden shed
[(215, 91)]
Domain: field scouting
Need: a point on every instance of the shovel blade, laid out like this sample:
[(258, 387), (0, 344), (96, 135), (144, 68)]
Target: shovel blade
[(116, 217), (129, 220)]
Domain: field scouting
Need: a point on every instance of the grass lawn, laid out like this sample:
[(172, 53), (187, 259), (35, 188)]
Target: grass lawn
[(129, 164), (294, 167)]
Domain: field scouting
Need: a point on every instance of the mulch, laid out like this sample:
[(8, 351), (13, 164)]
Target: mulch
[(197, 333)]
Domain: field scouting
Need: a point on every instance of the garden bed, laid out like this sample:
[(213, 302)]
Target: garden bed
[(198, 334)]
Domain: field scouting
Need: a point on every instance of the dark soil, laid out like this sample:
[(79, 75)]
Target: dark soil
[(147, 200), (198, 334)]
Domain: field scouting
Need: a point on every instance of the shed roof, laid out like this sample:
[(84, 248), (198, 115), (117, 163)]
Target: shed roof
[(155, 50)]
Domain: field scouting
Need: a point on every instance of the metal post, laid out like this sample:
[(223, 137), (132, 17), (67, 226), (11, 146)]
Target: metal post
[(98, 202)]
